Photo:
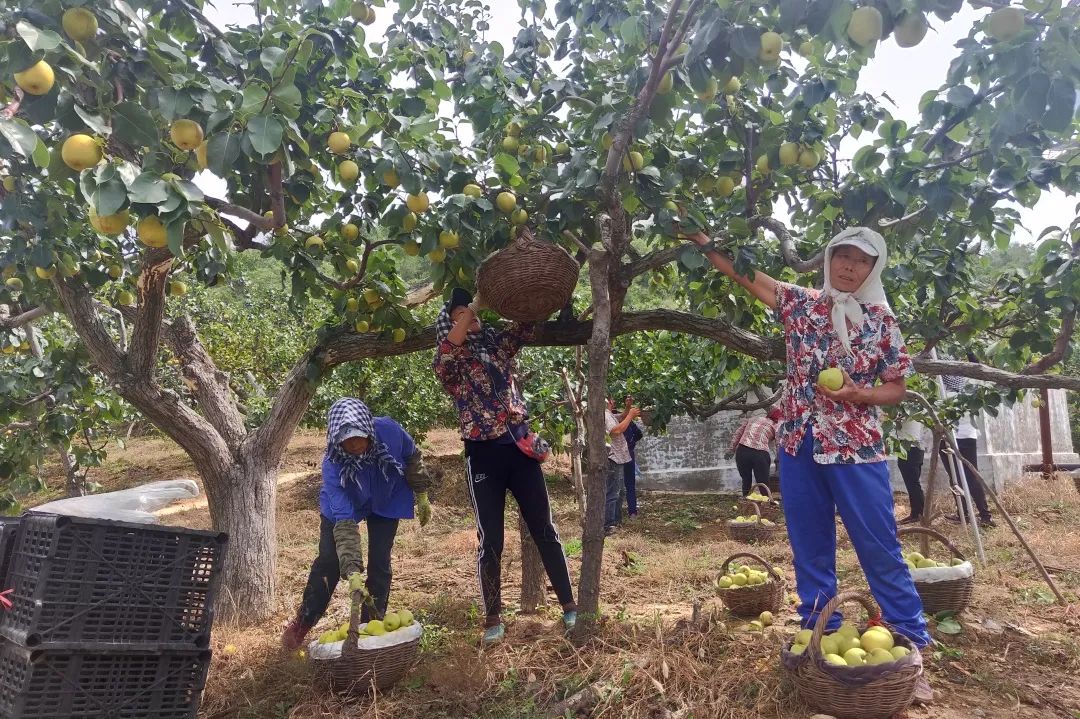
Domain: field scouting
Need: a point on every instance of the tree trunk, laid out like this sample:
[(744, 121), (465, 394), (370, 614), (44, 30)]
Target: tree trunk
[(533, 584), (592, 554), (76, 481), (242, 503)]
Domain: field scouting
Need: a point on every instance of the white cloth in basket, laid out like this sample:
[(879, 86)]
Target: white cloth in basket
[(399, 636), (943, 574)]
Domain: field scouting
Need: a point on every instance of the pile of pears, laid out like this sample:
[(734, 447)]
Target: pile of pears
[(915, 560), (757, 497), (847, 648), (744, 576), (375, 628), (753, 518)]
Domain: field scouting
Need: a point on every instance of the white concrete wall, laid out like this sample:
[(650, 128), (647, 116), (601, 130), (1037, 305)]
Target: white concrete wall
[(690, 456)]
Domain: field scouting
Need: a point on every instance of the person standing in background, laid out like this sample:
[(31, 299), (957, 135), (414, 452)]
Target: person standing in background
[(913, 436), (633, 435), (618, 458), (750, 445)]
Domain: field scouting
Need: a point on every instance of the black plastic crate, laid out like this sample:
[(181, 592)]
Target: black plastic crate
[(9, 531), (118, 684), (85, 583)]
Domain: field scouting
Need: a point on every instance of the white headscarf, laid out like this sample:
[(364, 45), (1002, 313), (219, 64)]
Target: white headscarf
[(846, 305)]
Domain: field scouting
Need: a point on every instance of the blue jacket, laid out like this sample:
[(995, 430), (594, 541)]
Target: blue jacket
[(375, 494)]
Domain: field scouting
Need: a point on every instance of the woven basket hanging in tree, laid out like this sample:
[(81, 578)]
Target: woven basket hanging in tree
[(752, 600), (360, 670), (946, 595), (867, 692), (529, 280)]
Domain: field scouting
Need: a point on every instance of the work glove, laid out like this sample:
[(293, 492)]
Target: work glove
[(423, 508), (478, 304), (356, 584)]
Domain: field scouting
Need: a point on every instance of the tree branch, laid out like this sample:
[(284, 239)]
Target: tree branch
[(650, 262), (249, 216), (787, 245), (80, 308), (960, 116), (1061, 346), (146, 329), (11, 322), (12, 107), (731, 402), (277, 195)]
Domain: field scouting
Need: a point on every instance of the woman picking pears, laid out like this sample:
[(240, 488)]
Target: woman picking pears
[(372, 472), (832, 453)]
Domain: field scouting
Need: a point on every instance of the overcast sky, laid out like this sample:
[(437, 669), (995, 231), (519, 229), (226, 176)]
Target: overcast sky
[(904, 74)]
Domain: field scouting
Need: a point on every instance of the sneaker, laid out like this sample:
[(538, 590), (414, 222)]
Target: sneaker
[(493, 635), (988, 522), (910, 519), (294, 634), (954, 518), (608, 531), (569, 619), (923, 693)]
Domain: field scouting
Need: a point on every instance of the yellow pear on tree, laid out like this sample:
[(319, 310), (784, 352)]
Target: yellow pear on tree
[(9, 183), (725, 186), (412, 249), (789, 153), (177, 288), (449, 239), (351, 266), (390, 178), (339, 143), (111, 225), (506, 202), (151, 232), (865, 26), (911, 30), (79, 24), (408, 222), (472, 190), (418, 203), (709, 93), (45, 273), (667, 82), (314, 241), (732, 86), (348, 171), (186, 134), (125, 298), (350, 231), (809, 159), (1003, 24), (763, 164), (38, 79), (200, 155), (399, 335), (80, 152), (771, 45), (519, 217), (437, 255)]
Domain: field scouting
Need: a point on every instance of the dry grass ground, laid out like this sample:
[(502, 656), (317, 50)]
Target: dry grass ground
[(1017, 656)]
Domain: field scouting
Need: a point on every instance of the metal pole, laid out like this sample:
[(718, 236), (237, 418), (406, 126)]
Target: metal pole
[(1044, 434), (960, 476)]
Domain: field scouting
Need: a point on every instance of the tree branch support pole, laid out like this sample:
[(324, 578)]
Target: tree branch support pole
[(931, 485), (997, 502), (1045, 438)]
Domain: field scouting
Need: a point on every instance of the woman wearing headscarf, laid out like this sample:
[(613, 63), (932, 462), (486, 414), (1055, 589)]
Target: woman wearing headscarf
[(750, 445), (372, 472), (476, 367), (832, 452)]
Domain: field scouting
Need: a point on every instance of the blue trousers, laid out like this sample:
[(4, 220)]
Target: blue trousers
[(630, 481), (613, 496), (862, 495)]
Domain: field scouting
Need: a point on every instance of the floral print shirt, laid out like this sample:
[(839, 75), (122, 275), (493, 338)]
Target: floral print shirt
[(484, 393), (844, 432)]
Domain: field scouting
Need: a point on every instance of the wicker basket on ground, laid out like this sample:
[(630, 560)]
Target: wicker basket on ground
[(947, 594), (754, 531), (770, 508), (361, 670), (752, 600), (528, 280), (867, 692)]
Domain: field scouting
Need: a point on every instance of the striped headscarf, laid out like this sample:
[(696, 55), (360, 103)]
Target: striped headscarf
[(350, 417)]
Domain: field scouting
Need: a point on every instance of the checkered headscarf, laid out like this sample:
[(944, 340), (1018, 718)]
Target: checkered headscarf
[(351, 417)]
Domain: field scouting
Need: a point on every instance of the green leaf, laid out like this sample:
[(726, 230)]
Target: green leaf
[(949, 626), (507, 163), (272, 59), (222, 152), (746, 41), (254, 99), (630, 31), (1061, 100), (691, 259), (94, 122), (20, 136), (109, 197), (174, 233), (1032, 96), (960, 96), (189, 190), (149, 189), (42, 158), (37, 39), (265, 133), (133, 123)]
